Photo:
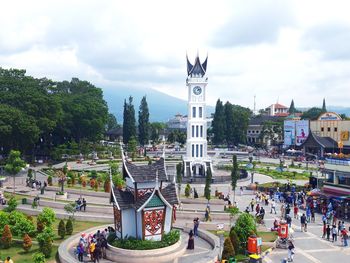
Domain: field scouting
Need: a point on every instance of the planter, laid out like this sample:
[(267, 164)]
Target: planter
[(62, 197)]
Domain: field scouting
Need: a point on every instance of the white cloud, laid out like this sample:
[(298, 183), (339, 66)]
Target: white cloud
[(272, 49)]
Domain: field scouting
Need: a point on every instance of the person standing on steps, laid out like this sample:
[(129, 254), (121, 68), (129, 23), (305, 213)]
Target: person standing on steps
[(328, 230), (334, 233), (252, 203), (195, 226), (190, 244), (291, 251), (273, 206)]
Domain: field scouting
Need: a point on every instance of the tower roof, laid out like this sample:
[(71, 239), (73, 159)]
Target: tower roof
[(198, 68)]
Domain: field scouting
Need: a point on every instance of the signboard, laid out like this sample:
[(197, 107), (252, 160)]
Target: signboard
[(329, 116), (344, 135), (302, 131), (289, 133), (259, 241)]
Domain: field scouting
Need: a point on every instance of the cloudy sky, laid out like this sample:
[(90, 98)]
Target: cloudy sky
[(276, 50)]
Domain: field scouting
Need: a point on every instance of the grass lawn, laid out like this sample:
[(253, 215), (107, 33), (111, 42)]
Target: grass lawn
[(17, 253), (268, 236)]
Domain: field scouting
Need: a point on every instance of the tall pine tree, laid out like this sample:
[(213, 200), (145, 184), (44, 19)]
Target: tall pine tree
[(144, 125), (234, 175), (229, 122), (219, 123), (292, 109), (324, 109), (207, 184), (129, 122)]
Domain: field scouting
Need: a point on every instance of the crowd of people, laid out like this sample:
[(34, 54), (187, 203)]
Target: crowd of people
[(93, 245)]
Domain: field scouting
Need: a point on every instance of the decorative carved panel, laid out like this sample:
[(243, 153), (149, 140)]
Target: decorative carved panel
[(153, 222), (117, 219)]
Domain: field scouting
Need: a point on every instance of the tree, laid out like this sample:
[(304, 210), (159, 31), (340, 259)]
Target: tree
[(324, 109), (70, 209), (47, 216), (69, 227), (6, 238), (241, 116), (111, 122), (14, 165), (312, 114), (292, 109), (61, 229), (179, 176), (234, 240), (129, 122), (144, 125), (234, 175), (229, 121), (218, 123), (45, 240), (208, 180), (228, 251), (245, 226), (271, 132), (132, 146), (27, 242), (156, 128)]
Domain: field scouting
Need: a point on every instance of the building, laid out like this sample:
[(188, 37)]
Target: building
[(196, 160), (179, 122), (255, 130), (277, 110), (145, 209)]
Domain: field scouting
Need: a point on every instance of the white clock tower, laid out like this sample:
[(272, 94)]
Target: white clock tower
[(196, 160)]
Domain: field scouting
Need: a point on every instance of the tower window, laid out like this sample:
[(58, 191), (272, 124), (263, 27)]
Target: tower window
[(335, 129), (196, 150), (193, 112), (322, 129), (196, 131), (201, 150), (200, 112), (192, 131), (329, 129), (201, 131), (192, 150)]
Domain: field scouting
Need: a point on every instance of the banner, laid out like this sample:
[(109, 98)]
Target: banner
[(289, 133), (302, 131)]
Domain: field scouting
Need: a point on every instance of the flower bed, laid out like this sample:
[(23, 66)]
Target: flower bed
[(135, 244)]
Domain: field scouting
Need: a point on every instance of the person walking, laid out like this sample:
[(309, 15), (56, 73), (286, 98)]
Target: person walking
[(303, 223), (328, 231), (195, 226), (289, 220), (257, 209), (345, 237), (324, 230), (334, 233), (190, 244), (291, 251), (273, 206), (241, 190), (296, 210), (252, 203), (339, 227), (80, 251)]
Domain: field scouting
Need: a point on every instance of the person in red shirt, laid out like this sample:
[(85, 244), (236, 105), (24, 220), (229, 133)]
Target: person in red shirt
[(296, 210)]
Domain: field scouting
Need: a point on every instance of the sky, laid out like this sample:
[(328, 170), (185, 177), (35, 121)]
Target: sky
[(275, 50)]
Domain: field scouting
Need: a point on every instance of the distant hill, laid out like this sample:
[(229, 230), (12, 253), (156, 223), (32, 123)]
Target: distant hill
[(162, 107), (337, 109)]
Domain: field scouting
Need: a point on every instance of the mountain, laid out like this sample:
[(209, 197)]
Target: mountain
[(162, 107), (337, 109)]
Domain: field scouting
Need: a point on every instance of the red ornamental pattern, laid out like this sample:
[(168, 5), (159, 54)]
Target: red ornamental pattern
[(143, 191), (118, 219), (153, 220)]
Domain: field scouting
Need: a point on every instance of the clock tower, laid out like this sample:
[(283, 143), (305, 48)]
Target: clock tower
[(196, 160)]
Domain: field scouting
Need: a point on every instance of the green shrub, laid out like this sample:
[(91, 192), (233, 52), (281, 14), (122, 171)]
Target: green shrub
[(11, 204), (61, 229), (39, 257), (45, 241), (49, 180), (131, 243), (4, 220), (187, 190), (69, 227), (47, 216), (228, 251)]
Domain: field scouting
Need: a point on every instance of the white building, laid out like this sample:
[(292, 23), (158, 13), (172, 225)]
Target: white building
[(196, 160)]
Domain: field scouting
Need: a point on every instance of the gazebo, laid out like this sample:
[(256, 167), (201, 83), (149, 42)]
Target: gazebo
[(145, 208)]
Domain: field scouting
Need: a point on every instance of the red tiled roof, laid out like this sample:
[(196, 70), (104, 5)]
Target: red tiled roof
[(279, 106), (281, 114)]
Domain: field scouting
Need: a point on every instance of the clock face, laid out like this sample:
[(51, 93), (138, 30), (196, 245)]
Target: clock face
[(197, 90)]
